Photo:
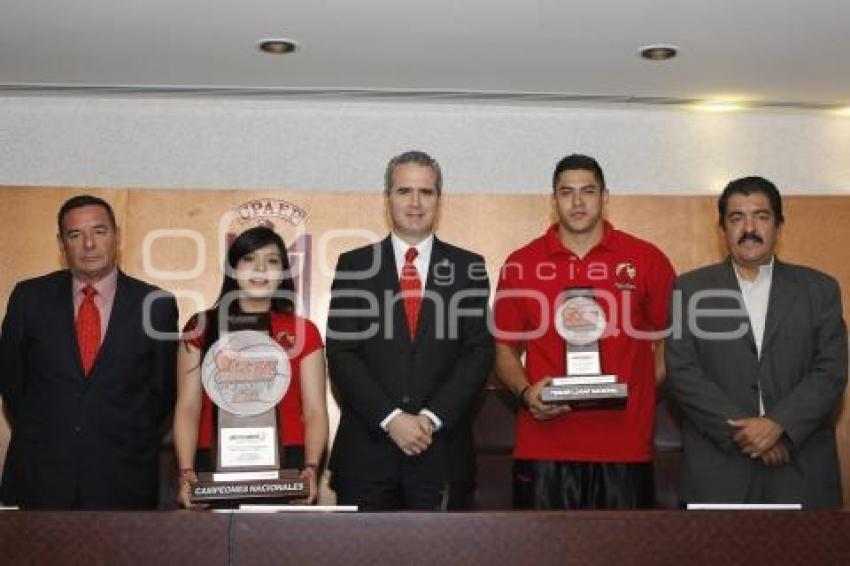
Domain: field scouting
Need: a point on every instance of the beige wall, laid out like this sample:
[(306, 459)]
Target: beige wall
[(683, 226)]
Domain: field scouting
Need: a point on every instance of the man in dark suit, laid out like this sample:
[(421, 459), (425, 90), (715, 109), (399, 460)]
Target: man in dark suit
[(87, 383), (758, 363), (408, 351)]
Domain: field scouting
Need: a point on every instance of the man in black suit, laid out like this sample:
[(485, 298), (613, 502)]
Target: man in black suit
[(758, 363), (408, 351), (87, 383)]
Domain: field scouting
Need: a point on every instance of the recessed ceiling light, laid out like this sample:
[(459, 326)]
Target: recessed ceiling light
[(658, 52), (277, 46)]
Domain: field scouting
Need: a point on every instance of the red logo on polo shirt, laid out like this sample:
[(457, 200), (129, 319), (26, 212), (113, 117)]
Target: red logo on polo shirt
[(285, 339), (625, 275)]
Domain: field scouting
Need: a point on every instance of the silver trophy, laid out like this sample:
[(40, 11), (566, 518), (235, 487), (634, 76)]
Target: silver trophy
[(246, 374), (581, 322)]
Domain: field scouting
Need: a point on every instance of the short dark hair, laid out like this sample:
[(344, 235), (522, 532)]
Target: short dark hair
[(417, 158), (747, 186), (80, 201), (577, 161)]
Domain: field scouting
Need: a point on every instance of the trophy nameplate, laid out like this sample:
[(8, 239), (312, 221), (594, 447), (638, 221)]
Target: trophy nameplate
[(581, 322), (246, 374)]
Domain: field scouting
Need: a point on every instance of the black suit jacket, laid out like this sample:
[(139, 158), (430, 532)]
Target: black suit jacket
[(87, 441), (376, 368), (802, 372)]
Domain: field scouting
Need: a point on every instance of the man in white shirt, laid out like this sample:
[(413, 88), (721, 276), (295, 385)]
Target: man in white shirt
[(408, 351), (758, 363)]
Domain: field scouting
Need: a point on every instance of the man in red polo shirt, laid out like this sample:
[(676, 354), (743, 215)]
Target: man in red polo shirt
[(577, 458)]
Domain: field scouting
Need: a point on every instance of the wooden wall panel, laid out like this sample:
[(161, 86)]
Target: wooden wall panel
[(685, 227)]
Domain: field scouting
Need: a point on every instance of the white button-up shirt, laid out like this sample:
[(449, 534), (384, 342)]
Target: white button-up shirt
[(421, 262), (756, 295)]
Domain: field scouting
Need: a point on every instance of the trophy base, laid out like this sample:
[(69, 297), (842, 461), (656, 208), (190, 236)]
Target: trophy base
[(270, 486), (587, 396)]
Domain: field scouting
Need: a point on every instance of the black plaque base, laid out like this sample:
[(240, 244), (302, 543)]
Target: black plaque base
[(286, 486), (587, 396)]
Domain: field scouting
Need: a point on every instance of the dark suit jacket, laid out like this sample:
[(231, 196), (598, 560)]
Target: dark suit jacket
[(92, 441), (802, 372), (380, 370)]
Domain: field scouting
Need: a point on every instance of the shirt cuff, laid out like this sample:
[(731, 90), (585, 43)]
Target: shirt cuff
[(435, 420), (386, 422)]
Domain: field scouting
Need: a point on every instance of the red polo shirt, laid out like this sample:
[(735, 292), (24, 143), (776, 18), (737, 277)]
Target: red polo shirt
[(632, 281), (299, 337)]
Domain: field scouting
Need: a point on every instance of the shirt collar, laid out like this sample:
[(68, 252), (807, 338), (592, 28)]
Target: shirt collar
[(105, 287), (400, 247), (610, 238), (765, 270)]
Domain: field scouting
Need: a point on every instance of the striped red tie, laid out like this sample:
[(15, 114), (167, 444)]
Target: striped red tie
[(88, 329), (411, 288)]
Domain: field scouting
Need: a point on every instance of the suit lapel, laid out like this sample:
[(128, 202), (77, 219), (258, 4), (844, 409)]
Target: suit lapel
[(121, 306), (782, 295), (66, 319), (387, 280), (728, 281), (428, 312)]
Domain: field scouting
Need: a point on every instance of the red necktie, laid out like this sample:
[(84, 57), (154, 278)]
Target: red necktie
[(88, 329), (411, 288)]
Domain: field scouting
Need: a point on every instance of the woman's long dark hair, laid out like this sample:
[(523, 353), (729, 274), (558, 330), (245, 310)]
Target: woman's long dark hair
[(248, 242)]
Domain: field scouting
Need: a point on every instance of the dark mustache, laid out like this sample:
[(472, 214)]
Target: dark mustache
[(750, 236)]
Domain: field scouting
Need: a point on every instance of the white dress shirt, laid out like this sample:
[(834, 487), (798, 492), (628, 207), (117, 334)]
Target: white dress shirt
[(422, 260), (756, 295), (421, 263)]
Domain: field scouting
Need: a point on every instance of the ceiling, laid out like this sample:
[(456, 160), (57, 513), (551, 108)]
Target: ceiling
[(768, 52)]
